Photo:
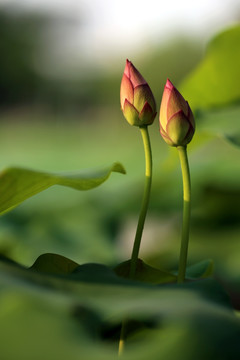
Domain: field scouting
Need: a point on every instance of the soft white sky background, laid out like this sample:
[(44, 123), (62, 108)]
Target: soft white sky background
[(114, 27)]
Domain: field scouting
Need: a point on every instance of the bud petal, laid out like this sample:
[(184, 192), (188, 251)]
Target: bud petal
[(190, 116), (131, 114), (176, 103), (178, 126), (165, 136), (163, 108), (143, 94), (137, 100), (176, 119), (147, 114), (126, 90)]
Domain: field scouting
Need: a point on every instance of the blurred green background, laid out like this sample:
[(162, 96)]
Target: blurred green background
[(60, 112)]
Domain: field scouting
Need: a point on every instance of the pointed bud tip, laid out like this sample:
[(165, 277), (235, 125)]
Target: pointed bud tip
[(127, 68), (169, 85)]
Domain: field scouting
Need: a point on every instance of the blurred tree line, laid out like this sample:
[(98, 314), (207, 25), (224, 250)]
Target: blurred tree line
[(24, 39), (19, 80), (24, 81)]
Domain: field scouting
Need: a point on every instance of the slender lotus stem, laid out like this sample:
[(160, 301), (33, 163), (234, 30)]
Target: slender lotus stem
[(141, 221), (145, 201), (122, 337), (182, 150)]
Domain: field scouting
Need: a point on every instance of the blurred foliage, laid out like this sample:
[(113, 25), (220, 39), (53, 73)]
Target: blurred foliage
[(78, 312), (55, 308), (215, 81), (26, 77), (27, 52), (70, 308), (19, 46), (83, 110)]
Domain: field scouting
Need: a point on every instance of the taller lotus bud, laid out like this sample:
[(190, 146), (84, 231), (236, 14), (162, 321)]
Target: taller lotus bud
[(137, 100), (177, 124)]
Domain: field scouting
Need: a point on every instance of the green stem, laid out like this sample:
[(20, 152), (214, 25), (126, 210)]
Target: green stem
[(182, 150), (122, 337), (145, 201), (141, 221)]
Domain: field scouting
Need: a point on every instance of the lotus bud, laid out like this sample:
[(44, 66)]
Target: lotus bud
[(177, 124), (137, 100)]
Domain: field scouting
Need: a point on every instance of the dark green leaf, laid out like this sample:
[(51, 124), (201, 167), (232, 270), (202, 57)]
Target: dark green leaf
[(145, 273), (148, 274), (200, 270), (55, 317), (54, 264), (97, 273), (17, 185)]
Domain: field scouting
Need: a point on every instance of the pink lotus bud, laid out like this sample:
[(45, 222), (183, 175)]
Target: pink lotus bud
[(177, 124), (137, 100)]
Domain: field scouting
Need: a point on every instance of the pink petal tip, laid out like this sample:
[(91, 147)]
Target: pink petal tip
[(169, 85), (127, 68)]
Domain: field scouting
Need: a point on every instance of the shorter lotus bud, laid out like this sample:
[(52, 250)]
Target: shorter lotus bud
[(177, 124), (137, 100)]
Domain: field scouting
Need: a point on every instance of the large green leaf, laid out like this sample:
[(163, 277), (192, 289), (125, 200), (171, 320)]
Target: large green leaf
[(60, 265), (17, 185), (145, 273), (57, 317), (215, 81), (150, 275), (54, 264)]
